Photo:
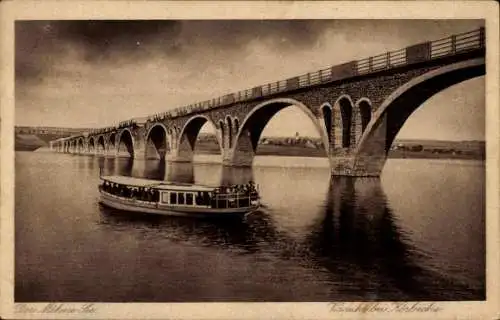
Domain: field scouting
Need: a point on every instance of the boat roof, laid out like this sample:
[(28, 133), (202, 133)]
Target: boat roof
[(157, 184)]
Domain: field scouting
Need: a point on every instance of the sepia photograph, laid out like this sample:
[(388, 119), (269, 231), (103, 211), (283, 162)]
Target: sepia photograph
[(185, 158)]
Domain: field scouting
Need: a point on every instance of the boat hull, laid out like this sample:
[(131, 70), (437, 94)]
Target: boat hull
[(132, 205)]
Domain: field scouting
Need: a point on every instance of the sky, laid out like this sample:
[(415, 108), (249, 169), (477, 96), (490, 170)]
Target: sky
[(96, 73)]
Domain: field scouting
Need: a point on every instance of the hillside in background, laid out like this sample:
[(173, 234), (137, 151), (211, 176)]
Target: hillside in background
[(31, 142), (28, 142), (33, 138)]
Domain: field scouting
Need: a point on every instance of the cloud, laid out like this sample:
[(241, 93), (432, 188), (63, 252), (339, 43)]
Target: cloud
[(41, 44)]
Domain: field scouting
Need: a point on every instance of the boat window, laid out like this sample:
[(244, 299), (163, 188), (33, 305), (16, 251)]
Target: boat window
[(181, 198), (173, 198), (189, 199), (199, 199), (164, 197)]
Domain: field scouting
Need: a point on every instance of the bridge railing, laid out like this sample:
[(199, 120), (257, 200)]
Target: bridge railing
[(457, 43)]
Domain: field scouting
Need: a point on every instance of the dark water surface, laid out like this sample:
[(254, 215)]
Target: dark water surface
[(417, 233)]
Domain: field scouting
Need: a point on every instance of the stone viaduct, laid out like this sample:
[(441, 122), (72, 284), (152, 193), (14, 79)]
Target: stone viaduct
[(357, 107)]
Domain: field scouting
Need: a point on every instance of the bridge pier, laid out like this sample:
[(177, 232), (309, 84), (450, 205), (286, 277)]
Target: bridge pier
[(242, 153), (139, 151), (365, 159), (176, 156), (357, 166)]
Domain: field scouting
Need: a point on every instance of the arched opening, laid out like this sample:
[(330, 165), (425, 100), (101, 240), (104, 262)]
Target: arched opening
[(207, 141), (326, 110), (456, 114), (156, 142), (365, 110), (222, 132), (112, 141), (125, 144), (91, 144), (346, 118), (198, 136), (100, 144), (381, 132), (80, 145), (284, 135), (236, 125), (229, 131)]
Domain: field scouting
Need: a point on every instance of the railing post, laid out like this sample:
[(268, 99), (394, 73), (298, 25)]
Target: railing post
[(320, 73), (453, 44), (308, 79), (388, 60), (370, 64)]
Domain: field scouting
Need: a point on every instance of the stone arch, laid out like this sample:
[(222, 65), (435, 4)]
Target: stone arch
[(80, 146), (171, 138), (157, 145), (101, 146), (254, 123), (176, 136), (111, 141), (364, 105), (186, 139), (91, 144), (229, 126), (236, 125), (390, 117), (222, 133), (327, 116), (125, 139), (343, 118), (361, 116)]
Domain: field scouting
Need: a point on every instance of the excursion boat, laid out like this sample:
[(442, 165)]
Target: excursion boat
[(167, 198)]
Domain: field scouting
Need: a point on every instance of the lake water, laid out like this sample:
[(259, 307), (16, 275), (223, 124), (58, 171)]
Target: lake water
[(417, 233)]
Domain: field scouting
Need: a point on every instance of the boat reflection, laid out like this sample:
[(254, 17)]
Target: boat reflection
[(232, 234)]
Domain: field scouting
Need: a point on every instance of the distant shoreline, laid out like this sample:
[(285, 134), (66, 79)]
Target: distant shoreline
[(299, 151), (406, 149)]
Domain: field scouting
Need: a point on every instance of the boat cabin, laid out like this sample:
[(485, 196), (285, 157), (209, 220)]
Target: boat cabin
[(167, 194)]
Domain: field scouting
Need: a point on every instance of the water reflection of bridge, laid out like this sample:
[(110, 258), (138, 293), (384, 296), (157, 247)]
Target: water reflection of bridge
[(173, 171), (356, 243)]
